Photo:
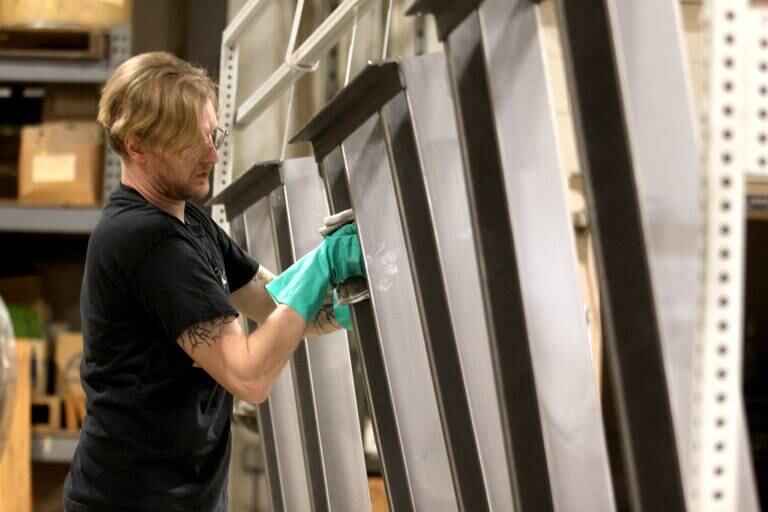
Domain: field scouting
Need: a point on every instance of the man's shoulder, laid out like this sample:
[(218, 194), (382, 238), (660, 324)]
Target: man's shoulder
[(136, 225), (126, 234)]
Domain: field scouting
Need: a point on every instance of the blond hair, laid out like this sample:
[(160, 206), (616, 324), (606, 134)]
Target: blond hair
[(158, 99)]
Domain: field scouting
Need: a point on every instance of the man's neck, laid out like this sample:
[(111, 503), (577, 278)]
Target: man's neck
[(138, 181)]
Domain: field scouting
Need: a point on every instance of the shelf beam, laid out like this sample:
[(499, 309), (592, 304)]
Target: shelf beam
[(50, 219)]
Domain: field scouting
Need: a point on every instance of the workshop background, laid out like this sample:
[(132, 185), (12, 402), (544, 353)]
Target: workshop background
[(54, 57)]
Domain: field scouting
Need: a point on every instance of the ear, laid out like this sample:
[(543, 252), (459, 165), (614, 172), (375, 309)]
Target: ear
[(135, 150)]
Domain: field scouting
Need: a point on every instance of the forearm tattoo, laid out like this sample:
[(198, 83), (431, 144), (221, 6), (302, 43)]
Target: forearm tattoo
[(325, 320), (205, 333)]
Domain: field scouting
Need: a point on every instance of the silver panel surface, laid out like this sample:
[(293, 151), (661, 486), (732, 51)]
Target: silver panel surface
[(282, 399), (397, 320), (555, 312), (652, 62), (429, 99), (329, 358)]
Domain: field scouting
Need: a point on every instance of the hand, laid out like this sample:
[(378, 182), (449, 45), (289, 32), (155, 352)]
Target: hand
[(304, 285), (345, 256)]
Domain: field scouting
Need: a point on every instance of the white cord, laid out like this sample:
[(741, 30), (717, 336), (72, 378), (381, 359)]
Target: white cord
[(287, 126), (294, 30), (387, 28), (297, 66), (350, 52)]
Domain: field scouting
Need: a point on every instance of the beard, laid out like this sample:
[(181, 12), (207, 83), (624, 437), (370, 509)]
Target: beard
[(181, 186)]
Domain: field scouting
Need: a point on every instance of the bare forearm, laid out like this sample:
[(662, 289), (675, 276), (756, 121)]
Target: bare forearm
[(268, 348)]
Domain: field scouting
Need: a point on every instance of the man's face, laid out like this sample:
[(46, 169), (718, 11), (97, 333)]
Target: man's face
[(184, 177)]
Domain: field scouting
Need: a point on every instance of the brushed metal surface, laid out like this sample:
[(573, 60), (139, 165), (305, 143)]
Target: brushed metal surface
[(652, 60), (397, 320), (429, 99), (282, 399), (541, 222), (329, 358)]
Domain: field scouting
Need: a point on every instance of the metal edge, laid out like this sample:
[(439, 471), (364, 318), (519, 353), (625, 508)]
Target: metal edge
[(368, 346), (371, 89), (448, 13), (302, 380), (502, 296), (434, 311), (257, 182), (633, 344)]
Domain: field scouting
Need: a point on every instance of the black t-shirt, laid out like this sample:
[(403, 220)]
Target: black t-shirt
[(157, 433)]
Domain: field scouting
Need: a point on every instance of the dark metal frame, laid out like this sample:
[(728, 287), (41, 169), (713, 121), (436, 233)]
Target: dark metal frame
[(332, 168), (263, 410), (379, 88), (265, 180), (496, 252), (633, 344)]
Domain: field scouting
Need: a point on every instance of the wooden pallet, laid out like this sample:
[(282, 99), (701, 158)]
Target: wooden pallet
[(74, 412), (53, 42), (47, 415)]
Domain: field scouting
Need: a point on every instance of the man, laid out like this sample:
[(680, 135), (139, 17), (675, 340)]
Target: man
[(163, 354)]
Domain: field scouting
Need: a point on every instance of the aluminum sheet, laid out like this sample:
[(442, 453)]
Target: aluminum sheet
[(329, 360), (649, 49), (428, 93), (545, 247), (397, 320), (282, 400)]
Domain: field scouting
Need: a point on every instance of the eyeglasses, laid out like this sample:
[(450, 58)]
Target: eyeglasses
[(218, 136)]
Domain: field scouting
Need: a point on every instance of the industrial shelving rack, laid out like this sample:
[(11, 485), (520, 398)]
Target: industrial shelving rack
[(65, 220)]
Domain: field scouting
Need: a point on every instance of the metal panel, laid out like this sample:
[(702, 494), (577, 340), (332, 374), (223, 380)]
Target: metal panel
[(428, 93), (299, 363), (377, 388), (650, 53), (290, 480), (397, 320), (436, 322), (633, 343), (497, 260), (33, 219), (534, 178), (322, 366), (264, 410)]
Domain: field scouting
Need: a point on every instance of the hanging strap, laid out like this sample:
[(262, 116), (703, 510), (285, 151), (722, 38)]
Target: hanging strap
[(296, 66), (387, 29)]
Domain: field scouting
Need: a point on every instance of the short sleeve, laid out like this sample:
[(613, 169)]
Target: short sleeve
[(177, 288), (238, 265)]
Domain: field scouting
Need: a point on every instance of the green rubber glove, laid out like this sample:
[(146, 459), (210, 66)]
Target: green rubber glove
[(342, 313), (344, 253), (304, 285)]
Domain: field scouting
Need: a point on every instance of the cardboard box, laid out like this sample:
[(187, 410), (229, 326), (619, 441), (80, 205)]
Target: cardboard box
[(68, 350), (61, 163), (89, 13), (66, 102)]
